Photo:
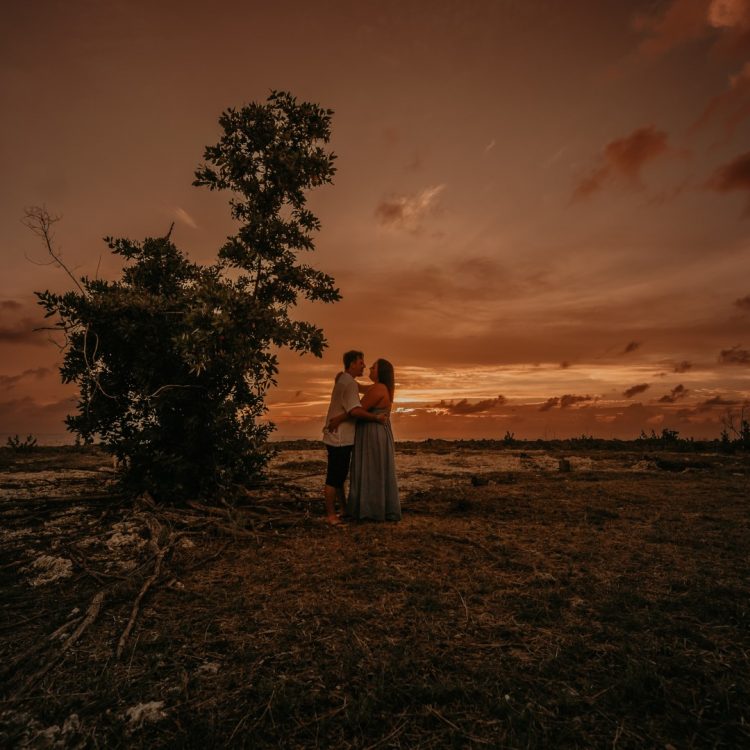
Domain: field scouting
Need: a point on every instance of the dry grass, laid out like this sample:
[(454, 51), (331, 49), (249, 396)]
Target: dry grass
[(601, 607)]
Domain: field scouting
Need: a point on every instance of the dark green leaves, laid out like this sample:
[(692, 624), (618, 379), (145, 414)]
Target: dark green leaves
[(174, 359)]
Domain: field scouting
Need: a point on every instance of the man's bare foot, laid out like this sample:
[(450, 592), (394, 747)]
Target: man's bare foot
[(334, 521)]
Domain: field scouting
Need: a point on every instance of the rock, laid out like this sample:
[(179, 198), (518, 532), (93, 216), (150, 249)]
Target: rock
[(563, 464), (145, 712), (48, 569)]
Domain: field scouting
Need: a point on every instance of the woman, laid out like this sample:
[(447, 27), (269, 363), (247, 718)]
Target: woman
[(373, 492)]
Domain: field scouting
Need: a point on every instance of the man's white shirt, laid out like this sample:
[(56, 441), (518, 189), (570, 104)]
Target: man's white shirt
[(344, 398)]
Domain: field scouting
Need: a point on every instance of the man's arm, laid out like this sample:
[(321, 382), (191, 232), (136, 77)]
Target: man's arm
[(359, 413)]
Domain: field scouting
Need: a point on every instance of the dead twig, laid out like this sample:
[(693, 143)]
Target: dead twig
[(202, 562), (137, 603), (458, 729), (397, 731), (37, 645), (91, 614)]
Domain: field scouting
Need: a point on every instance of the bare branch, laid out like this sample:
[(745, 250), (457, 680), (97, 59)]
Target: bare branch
[(40, 222), (38, 262), (168, 387)]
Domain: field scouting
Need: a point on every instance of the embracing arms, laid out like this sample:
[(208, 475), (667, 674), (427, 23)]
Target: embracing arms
[(375, 395)]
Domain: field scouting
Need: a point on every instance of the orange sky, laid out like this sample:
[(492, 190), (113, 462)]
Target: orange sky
[(541, 214)]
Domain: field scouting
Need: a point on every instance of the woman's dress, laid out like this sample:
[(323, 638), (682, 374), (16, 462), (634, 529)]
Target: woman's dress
[(373, 492)]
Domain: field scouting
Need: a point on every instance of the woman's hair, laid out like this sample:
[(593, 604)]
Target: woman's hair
[(386, 376)]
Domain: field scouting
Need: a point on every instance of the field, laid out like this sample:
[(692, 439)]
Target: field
[(532, 596)]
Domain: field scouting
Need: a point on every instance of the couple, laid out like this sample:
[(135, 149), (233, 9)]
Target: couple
[(360, 433)]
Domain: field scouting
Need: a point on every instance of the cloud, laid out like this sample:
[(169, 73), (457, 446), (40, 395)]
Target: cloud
[(550, 403), (564, 401), (743, 303), (683, 366), (564, 365), (183, 216), (10, 304), (22, 332), (408, 212), (680, 22), (718, 401), (635, 390), (465, 407), (463, 281), (732, 105), (9, 381), (24, 415), (734, 356), (631, 347), (729, 14), (624, 158), (734, 175), (685, 21), (569, 400), (678, 392)]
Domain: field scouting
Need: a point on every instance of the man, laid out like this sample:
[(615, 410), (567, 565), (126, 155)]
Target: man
[(339, 443)]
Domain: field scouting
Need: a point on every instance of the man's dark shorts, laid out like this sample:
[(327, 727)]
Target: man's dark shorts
[(338, 464)]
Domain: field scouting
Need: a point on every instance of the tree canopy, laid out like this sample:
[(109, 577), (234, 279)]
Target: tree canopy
[(174, 359)]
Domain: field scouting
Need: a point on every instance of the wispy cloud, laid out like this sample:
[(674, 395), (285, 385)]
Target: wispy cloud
[(22, 332), (734, 356), (183, 216), (570, 400), (550, 403), (729, 14), (624, 159), (674, 24), (743, 303), (719, 401), (683, 366), (9, 381), (732, 106), (682, 21), (733, 176), (464, 406), (635, 390), (408, 212), (631, 347), (564, 402), (678, 392)]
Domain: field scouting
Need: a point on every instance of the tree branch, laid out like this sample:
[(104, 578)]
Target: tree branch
[(40, 222)]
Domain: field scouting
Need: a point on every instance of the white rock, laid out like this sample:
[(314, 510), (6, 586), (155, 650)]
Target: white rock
[(145, 712), (49, 569)]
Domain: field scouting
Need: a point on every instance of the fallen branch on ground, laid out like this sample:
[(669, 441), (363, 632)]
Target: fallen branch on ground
[(91, 614)]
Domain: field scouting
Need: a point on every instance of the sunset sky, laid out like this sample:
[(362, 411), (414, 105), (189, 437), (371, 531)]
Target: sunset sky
[(541, 214)]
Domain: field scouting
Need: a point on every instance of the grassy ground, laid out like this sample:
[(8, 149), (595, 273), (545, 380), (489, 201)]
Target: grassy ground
[(595, 608)]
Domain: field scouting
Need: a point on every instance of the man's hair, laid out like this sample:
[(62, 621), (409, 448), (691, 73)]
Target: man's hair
[(351, 357)]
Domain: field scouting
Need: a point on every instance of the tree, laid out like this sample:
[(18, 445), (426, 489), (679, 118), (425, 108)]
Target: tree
[(173, 361)]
